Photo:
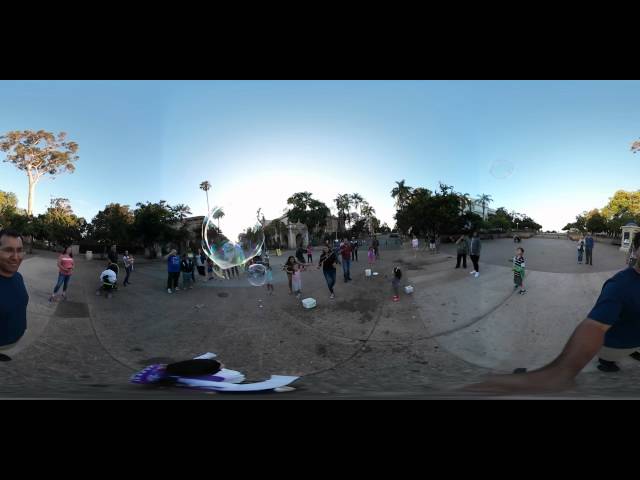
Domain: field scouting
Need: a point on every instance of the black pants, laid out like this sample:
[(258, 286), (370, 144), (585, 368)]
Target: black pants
[(475, 259), (126, 278), (172, 281), (589, 256), (309, 258), (463, 257), (354, 255)]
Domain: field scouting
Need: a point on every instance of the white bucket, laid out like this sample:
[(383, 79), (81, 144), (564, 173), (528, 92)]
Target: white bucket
[(367, 272), (89, 255), (309, 302), (408, 289)]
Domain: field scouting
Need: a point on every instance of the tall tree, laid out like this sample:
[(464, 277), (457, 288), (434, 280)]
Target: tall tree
[(356, 200), (483, 201), (181, 210), (8, 199), (368, 213), (623, 202), (401, 193), (206, 186), (305, 209), (113, 225), (38, 154), (217, 215), (153, 222), (465, 202), (342, 202), (59, 224)]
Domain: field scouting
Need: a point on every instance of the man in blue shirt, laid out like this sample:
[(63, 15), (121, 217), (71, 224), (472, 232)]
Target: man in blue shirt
[(173, 269), (611, 331), (588, 249), (13, 294)]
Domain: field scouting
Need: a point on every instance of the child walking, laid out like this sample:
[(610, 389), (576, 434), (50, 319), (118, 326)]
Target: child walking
[(580, 250), (371, 255), (395, 283), (296, 281), (518, 271), (269, 281)]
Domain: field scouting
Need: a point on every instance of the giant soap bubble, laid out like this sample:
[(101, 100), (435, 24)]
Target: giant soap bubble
[(257, 274), (501, 169), (231, 236)]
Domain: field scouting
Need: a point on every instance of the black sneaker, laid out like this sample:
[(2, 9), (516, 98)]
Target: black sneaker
[(607, 366), (522, 292), (4, 358), (635, 356)]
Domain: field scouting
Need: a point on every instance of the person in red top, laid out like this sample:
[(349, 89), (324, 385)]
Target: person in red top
[(65, 269), (345, 252)]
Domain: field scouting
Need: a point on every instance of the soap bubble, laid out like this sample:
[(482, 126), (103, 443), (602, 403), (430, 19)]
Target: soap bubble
[(231, 236), (501, 169), (257, 274)]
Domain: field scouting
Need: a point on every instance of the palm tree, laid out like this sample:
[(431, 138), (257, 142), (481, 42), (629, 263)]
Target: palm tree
[(206, 186), (356, 200), (342, 202), (484, 200), (182, 211), (367, 211), (465, 201), (219, 213), (401, 193)]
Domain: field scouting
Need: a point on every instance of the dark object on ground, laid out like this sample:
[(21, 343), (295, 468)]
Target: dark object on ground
[(607, 366), (520, 370), (635, 356), (4, 358), (194, 368)]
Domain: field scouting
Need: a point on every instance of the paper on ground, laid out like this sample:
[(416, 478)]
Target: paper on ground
[(275, 381)]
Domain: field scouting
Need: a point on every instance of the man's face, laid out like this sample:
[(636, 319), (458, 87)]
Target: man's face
[(11, 255)]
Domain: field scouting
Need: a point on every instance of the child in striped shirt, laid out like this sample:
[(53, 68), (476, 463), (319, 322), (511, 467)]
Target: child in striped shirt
[(518, 270)]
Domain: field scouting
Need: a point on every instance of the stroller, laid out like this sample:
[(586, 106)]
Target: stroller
[(109, 279)]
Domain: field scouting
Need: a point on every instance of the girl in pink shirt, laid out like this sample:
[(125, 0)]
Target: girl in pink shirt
[(65, 270)]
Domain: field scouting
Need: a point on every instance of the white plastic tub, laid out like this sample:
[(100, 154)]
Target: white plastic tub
[(309, 303)]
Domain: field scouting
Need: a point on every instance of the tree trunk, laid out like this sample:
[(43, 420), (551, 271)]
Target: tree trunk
[(32, 186)]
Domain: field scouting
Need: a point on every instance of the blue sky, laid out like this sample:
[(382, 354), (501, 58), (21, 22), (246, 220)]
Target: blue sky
[(258, 142)]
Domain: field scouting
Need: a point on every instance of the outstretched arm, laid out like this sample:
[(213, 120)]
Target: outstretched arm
[(584, 344)]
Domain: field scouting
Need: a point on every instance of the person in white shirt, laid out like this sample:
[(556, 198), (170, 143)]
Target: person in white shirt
[(108, 280), (128, 266)]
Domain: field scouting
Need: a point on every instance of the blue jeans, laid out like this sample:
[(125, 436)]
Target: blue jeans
[(330, 277), (126, 279), (62, 279), (346, 268)]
